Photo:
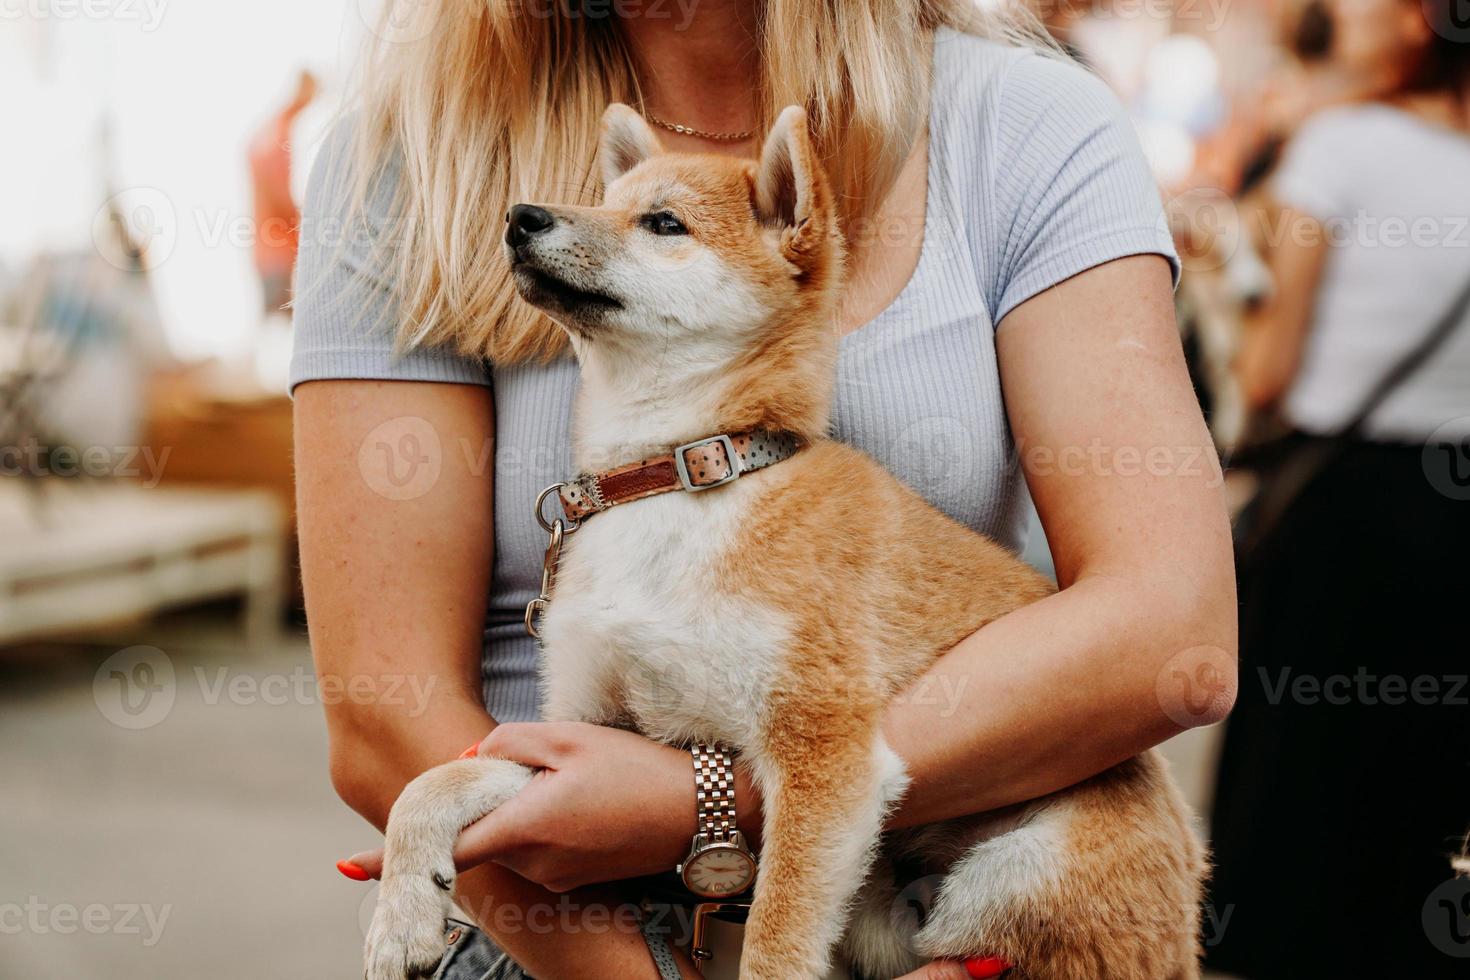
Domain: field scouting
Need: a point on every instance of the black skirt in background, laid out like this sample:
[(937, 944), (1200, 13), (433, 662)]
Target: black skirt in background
[(1344, 784)]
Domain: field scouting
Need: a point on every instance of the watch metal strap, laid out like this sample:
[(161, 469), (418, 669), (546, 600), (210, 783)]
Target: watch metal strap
[(714, 791)]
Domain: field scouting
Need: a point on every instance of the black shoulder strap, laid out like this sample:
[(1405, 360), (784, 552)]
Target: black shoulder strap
[(1410, 362)]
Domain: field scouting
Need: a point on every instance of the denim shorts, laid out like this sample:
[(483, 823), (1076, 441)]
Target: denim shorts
[(472, 956)]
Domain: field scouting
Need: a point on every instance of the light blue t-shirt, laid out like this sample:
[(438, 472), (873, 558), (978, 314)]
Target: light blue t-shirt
[(1399, 229), (1035, 175)]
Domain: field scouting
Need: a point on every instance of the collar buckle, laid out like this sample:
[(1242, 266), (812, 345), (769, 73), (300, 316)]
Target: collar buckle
[(681, 465)]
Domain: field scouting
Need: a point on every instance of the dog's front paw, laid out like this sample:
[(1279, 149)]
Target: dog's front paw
[(406, 939)]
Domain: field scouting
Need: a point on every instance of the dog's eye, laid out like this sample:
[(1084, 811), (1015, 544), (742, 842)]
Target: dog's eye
[(664, 223)]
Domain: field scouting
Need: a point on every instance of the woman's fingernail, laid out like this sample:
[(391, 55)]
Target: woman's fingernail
[(470, 752), (353, 871), (983, 967)]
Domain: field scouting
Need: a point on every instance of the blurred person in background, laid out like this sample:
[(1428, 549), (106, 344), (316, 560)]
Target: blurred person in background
[(277, 217), (1309, 79), (1303, 79), (1041, 293), (1343, 784)]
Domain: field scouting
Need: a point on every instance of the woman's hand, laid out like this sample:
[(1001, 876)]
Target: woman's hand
[(606, 804)]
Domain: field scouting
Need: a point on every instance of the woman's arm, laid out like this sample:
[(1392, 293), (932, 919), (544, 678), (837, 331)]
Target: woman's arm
[(1127, 484), (1126, 481), (394, 514), (395, 559), (1276, 335)]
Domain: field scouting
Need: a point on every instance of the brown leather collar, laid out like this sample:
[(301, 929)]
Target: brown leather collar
[(698, 465)]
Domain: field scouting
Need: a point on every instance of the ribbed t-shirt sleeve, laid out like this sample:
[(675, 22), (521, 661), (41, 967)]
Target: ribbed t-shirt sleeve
[(344, 311), (1311, 177), (1071, 184)]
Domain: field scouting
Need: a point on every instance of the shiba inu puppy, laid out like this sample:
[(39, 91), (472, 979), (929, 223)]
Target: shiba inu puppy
[(778, 612)]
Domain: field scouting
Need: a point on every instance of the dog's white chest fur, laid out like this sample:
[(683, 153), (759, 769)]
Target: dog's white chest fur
[(642, 630)]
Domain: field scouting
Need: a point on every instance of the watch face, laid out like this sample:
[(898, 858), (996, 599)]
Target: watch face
[(719, 872)]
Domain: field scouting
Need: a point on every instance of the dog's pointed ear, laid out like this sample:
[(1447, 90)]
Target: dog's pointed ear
[(787, 182), (627, 140), (792, 195)]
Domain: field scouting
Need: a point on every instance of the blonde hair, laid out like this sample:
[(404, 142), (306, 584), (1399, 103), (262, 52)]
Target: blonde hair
[(489, 102)]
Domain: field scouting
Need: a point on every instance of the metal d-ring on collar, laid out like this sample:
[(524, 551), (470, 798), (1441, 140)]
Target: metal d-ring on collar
[(557, 529), (567, 527), (692, 467)]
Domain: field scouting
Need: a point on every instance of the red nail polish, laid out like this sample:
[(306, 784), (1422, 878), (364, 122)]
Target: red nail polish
[(352, 871), (984, 967), (470, 752)]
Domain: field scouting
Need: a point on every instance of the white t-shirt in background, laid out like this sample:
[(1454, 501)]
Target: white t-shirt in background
[(1393, 194)]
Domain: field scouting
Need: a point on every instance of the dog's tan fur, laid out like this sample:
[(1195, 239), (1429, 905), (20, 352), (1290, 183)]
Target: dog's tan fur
[(868, 585)]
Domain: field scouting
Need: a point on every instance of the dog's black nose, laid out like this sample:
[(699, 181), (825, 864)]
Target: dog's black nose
[(525, 220)]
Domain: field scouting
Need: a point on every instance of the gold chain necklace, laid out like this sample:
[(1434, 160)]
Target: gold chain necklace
[(691, 131)]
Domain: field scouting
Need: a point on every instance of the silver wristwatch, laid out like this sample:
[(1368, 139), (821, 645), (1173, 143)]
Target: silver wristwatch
[(719, 863)]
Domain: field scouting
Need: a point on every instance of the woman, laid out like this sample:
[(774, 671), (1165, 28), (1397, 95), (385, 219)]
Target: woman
[(1003, 226), (1342, 788)]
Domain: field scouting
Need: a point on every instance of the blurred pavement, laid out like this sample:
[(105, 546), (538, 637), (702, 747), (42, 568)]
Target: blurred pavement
[(202, 846)]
